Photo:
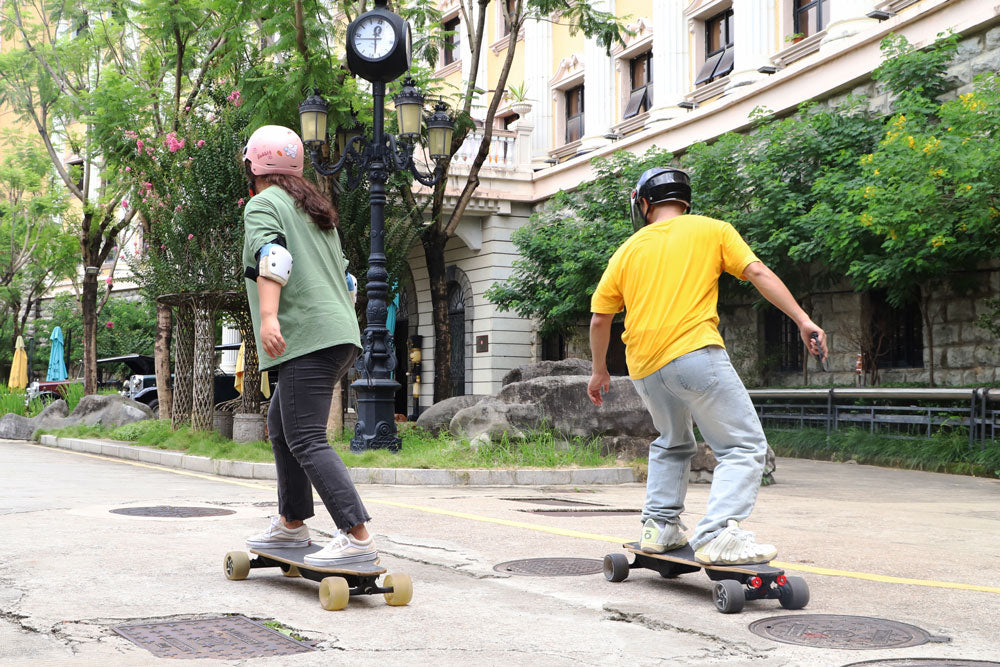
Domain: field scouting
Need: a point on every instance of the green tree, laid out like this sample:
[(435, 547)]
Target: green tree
[(566, 246)]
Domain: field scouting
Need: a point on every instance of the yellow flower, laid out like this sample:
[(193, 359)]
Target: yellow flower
[(869, 191), (910, 141), (963, 227), (937, 172), (937, 241), (866, 219), (876, 172), (892, 234), (932, 145), (968, 187)]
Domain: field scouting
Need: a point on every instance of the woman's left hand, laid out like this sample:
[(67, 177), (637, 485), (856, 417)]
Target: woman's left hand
[(270, 337)]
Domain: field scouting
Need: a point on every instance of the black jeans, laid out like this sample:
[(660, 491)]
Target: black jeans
[(296, 422)]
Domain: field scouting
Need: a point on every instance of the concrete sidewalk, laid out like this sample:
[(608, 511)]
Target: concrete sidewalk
[(401, 476), (911, 547)]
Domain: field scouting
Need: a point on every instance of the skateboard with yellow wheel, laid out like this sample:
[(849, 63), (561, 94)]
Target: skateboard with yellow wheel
[(336, 584)]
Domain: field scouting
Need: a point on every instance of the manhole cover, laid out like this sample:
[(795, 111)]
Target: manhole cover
[(552, 567), (585, 512), (847, 632), (558, 502), (925, 662), (227, 637), (173, 512)]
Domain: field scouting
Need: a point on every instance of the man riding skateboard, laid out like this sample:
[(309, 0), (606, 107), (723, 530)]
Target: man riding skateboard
[(666, 277)]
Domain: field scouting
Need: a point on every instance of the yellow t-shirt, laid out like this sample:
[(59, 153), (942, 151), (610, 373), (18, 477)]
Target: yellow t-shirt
[(666, 277)]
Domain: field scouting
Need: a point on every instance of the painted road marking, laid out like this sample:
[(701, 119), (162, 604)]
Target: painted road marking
[(829, 572)]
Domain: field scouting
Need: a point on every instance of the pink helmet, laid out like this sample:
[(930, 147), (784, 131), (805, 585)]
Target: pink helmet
[(273, 149)]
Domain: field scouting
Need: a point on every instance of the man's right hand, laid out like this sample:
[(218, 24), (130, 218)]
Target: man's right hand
[(600, 380), (816, 346)]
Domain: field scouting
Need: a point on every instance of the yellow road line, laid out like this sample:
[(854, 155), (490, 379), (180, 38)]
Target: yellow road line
[(865, 576)]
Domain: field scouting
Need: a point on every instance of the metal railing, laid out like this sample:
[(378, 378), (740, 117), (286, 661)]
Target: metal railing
[(889, 412)]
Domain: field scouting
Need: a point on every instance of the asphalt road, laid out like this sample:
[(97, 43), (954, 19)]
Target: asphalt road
[(912, 547)]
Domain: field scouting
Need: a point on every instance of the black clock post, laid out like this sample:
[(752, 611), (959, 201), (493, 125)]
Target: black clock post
[(378, 50)]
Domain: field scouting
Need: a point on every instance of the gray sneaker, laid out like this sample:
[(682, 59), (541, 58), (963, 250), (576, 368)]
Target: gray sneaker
[(734, 546), (277, 535), (660, 537), (343, 549)]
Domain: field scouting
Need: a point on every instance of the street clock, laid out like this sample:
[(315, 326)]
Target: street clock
[(378, 45)]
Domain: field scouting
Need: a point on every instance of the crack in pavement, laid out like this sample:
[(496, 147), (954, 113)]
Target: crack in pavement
[(727, 648)]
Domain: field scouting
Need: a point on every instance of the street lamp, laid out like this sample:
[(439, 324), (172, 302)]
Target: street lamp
[(378, 50)]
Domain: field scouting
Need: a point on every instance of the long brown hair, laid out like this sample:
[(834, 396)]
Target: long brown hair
[(307, 196)]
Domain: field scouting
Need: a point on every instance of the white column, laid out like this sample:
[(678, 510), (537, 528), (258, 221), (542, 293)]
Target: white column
[(754, 28), (847, 18), (598, 89), (229, 335), (670, 59), (537, 71)]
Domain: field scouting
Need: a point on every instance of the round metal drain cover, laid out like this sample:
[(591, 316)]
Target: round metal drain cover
[(847, 632), (552, 567), (173, 511), (925, 662)]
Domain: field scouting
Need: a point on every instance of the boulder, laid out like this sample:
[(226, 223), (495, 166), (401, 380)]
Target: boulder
[(569, 366), (16, 427), (437, 417), (109, 410)]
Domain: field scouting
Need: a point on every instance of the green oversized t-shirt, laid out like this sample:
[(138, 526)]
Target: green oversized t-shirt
[(316, 310)]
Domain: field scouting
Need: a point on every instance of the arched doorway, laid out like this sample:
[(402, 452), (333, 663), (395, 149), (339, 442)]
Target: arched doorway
[(456, 325), (400, 334)]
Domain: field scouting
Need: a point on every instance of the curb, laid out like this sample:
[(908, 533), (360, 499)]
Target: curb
[(395, 476)]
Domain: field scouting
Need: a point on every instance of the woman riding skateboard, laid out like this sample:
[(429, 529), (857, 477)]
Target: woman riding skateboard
[(666, 277), (308, 329)]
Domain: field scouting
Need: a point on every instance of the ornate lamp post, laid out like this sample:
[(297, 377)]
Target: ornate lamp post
[(378, 50)]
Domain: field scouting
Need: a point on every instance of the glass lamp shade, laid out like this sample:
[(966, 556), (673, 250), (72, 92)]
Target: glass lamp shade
[(312, 117), (347, 135), (409, 107), (439, 130)]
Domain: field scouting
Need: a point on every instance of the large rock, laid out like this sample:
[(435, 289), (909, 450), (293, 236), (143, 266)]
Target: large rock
[(570, 366), (16, 427), (560, 404), (437, 417), (109, 410)]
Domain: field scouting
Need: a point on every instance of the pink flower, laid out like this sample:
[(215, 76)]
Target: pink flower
[(190, 236), (109, 281), (239, 202), (173, 143), (163, 247), (129, 134), (147, 185), (210, 117), (139, 144), (110, 325), (178, 208), (124, 204), (187, 108), (234, 97), (201, 142), (128, 169)]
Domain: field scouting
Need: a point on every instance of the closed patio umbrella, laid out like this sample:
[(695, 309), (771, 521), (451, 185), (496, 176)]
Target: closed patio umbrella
[(57, 365), (265, 384), (19, 369)]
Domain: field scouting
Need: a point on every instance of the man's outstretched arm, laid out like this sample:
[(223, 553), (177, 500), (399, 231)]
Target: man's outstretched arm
[(774, 290)]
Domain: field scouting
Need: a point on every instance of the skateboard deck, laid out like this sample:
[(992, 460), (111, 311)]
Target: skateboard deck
[(296, 556), (337, 584), (734, 584)]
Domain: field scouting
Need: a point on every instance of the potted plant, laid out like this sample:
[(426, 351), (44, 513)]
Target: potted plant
[(795, 37), (518, 96)]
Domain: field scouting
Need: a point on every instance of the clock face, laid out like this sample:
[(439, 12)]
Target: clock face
[(374, 38)]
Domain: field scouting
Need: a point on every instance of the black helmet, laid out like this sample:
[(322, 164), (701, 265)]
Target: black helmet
[(656, 185)]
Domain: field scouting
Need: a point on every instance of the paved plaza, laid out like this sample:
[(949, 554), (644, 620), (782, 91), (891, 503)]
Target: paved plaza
[(913, 547)]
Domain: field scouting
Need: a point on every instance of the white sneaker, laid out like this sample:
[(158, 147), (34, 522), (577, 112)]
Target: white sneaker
[(660, 537), (277, 535), (734, 546), (343, 549)]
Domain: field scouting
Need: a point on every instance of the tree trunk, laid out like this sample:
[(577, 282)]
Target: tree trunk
[(250, 399), (183, 352), (203, 376), (88, 303), (161, 352), (926, 312), (433, 242)]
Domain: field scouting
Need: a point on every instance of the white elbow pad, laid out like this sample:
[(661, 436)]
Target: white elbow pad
[(352, 286), (275, 263)]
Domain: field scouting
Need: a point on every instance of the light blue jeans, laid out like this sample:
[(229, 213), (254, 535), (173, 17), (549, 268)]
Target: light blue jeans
[(702, 385)]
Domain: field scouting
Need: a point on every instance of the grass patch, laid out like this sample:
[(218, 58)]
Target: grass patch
[(419, 450), (943, 452)]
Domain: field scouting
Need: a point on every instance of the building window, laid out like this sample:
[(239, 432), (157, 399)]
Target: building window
[(719, 50), (509, 6), (897, 334), (452, 41), (782, 344), (574, 114), (640, 72), (811, 16)]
